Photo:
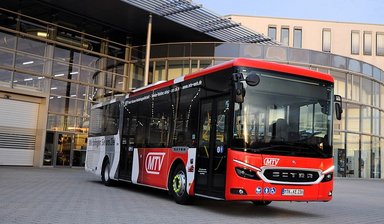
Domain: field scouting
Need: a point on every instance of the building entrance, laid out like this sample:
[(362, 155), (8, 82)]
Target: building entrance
[(64, 149)]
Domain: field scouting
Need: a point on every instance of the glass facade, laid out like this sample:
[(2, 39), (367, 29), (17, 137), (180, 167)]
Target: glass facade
[(75, 70)]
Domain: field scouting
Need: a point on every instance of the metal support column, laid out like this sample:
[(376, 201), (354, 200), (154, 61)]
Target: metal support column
[(148, 51)]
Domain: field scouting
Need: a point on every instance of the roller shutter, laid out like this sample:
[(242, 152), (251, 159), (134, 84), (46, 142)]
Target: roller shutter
[(18, 123)]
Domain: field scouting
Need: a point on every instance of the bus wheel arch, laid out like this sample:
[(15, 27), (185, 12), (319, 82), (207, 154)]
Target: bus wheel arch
[(177, 183), (105, 170)]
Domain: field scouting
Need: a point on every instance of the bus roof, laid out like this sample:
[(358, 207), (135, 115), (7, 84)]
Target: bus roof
[(264, 65)]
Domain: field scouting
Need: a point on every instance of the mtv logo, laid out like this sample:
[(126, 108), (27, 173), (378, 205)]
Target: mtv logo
[(271, 161)]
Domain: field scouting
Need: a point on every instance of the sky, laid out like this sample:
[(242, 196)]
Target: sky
[(357, 11)]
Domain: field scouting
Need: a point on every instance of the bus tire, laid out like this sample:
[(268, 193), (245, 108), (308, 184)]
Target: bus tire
[(261, 203), (105, 178), (178, 185)]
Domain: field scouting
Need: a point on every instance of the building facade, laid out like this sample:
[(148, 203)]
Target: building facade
[(52, 72), (364, 42)]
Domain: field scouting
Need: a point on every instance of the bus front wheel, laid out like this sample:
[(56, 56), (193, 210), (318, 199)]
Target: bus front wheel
[(178, 185)]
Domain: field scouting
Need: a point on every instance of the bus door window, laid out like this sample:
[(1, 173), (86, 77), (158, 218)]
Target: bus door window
[(220, 147), (203, 155)]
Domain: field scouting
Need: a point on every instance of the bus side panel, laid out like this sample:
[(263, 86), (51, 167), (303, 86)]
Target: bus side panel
[(154, 166), (95, 155)]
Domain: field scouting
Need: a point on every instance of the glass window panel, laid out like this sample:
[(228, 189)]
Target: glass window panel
[(63, 88), (5, 77), (352, 168), (119, 82), (30, 63), (86, 74), (354, 65), (365, 161), (203, 49), (367, 43), (160, 72), (355, 42), (299, 55), (31, 46), (320, 58), (24, 81), (251, 51), (272, 32), (367, 69), (339, 61), (353, 117), (177, 69), (89, 60), (365, 119), (340, 154), (227, 50), (6, 58), (380, 44), (366, 91), (376, 73), (297, 38), (179, 50), (326, 40), (382, 122), (355, 88), (375, 121), (340, 82), (276, 53), (159, 51), (382, 96), (66, 55), (61, 123), (205, 63), (61, 104), (376, 94), (284, 36), (80, 108), (7, 40), (63, 70), (116, 50), (376, 171), (381, 157)]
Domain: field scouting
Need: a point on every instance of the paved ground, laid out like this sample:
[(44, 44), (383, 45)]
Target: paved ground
[(55, 195)]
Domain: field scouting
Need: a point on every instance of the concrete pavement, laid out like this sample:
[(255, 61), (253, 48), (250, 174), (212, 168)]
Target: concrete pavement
[(62, 195)]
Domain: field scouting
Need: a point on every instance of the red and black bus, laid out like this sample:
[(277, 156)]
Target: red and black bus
[(242, 130)]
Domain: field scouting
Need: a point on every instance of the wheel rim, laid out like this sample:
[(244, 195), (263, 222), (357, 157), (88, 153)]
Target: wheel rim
[(179, 183), (106, 173)]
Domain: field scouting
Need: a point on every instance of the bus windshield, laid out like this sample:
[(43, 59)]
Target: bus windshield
[(284, 115)]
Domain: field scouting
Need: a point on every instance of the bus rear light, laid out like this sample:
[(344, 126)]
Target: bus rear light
[(250, 174)]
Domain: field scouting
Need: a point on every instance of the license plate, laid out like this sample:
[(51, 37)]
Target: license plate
[(293, 192)]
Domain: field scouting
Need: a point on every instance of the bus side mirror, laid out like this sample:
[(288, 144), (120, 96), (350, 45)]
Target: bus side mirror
[(338, 107), (239, 87), (252, 79)]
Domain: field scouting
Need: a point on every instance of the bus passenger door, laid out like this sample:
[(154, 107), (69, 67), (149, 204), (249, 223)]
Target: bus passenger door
[(212, 148), (126, 150)]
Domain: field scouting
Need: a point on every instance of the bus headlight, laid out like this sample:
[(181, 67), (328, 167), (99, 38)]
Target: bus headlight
[(327, 177)]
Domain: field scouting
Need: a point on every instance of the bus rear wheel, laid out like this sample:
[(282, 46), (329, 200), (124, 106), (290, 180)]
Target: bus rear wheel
[(105, 178), (261, 203), (178, 185)]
